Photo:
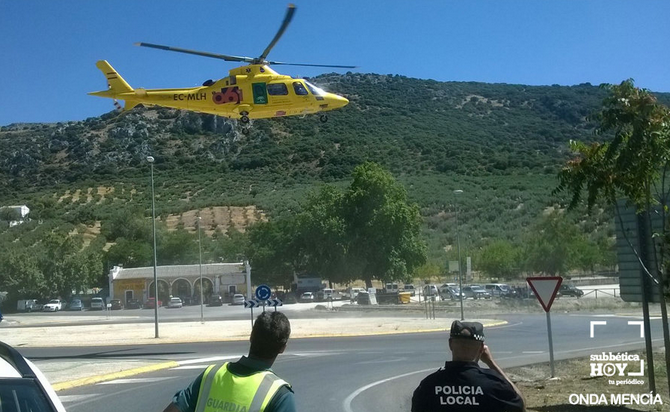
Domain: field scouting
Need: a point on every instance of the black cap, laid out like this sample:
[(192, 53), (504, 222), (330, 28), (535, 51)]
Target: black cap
[(467, 330)]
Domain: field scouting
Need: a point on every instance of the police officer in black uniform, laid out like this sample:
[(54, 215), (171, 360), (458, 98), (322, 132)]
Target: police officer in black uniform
[(462, 385)]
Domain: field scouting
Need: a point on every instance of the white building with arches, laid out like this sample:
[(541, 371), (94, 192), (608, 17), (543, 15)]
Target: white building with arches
[(182, 281)]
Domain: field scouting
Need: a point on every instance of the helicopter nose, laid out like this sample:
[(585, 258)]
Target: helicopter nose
[(338, 101)]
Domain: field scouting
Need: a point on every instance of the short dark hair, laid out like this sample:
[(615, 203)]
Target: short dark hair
[(269, 334)]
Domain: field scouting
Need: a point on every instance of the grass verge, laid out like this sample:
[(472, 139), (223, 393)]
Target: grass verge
[(573, 378)]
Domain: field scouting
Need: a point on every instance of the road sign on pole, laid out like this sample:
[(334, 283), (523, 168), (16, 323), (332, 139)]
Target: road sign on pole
[(251, 303), (263, 292), (545, 289), (275, 302)]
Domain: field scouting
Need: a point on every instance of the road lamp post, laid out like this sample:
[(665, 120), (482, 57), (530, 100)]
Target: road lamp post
[(202, 311), (458, 241), (151, 160)]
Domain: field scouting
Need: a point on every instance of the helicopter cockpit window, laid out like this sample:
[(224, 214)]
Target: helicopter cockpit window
[(277, 89), (315, 90), (299, 89)]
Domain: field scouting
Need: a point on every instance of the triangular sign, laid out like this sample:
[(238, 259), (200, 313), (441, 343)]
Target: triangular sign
[(545, 289)]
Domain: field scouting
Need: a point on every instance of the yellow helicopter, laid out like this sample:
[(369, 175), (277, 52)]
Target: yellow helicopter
[(254, 91)]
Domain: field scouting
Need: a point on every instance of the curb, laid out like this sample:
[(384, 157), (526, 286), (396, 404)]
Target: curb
[(111, 376)]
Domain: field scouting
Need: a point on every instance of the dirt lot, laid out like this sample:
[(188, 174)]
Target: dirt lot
[(573, 378)]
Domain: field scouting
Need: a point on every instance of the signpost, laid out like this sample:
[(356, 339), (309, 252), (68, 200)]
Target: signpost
[(545, 289), (263, 292), (254, 303), (263, 297), (275, 302)]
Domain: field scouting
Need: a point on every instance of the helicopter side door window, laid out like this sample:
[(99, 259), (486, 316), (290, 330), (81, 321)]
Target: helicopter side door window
[(260, 93), (277, 89), (300, 89)]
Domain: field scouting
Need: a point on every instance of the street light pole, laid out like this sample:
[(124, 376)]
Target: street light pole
[(202, 313), (458, 241), (151, 160)]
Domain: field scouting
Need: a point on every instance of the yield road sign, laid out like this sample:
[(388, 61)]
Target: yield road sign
[(263, 292), (545, 289)]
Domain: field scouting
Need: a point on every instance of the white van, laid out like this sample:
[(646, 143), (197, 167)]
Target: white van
[(27, 305), (328, 293)]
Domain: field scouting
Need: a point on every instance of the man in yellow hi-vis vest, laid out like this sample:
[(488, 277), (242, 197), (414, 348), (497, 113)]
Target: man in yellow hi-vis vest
[(248, 385)]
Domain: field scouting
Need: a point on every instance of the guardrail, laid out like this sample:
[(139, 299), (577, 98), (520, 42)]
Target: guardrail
[(612, 292)]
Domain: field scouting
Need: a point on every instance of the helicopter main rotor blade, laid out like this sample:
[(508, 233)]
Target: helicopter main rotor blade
[(313, 65), (287, 19), (198, 53)]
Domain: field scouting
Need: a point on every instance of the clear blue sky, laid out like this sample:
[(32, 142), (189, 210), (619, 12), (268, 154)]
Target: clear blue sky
[(48, 48)]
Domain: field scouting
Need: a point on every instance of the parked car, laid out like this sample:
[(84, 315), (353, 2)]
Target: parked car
[(476, 292), (570, 290), (238, 299), (116, 304), (75, 304), (450, 292), (174, 303), (307, 297), (133, 304), (54, 305), (215, 300), (24, 387), (500, 290), (186, 300), (409, 288), (151, 303), (97, 304)]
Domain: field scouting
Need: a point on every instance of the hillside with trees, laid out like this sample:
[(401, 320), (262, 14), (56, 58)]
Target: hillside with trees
[(501, 144)]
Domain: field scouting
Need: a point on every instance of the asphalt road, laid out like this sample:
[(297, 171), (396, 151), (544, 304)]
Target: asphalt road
[(343, 374)]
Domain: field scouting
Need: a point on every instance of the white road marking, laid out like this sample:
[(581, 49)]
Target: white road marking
[(529, 352), (135, 380), (385, 360), (346, 404), (640, 324), (189, 367), (595, 323), (75, 398), (315, 353), (211, 360)]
